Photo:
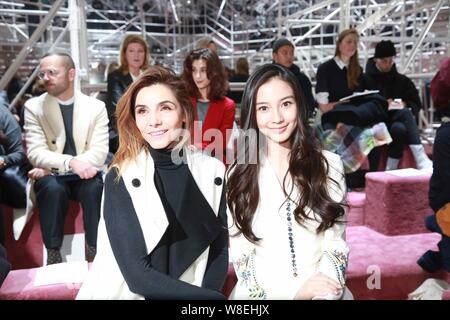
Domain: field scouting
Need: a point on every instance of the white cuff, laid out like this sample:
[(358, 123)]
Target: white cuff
[(322, 97), (66, 164)]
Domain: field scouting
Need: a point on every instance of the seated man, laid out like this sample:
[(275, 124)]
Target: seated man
[(404, 102), (283, 54), (66, 132)]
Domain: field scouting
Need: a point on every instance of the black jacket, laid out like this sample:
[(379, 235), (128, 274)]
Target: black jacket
[(117, 85), (439, 192), (392, 85)]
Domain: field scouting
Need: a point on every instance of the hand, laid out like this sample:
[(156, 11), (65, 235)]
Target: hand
[(38, 173), (318, 285), (327, 106), (2, 163), (82, 169), (396, 104)]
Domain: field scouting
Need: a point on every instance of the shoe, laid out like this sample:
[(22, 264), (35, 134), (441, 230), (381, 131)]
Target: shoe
[(53, 256), (422, 160), (430, 261), (90, 253)]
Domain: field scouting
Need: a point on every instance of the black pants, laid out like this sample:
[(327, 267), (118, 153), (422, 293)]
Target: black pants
[(13, 182), (53, 195), (403, 130)]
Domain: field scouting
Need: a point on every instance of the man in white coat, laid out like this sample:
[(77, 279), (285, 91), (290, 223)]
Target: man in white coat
[(67, 143)]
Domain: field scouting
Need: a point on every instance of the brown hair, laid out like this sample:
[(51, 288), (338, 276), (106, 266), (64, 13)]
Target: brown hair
[(242, 66), (123, 49), (354, 69), (214, 70), (131, 141), (307, 165)]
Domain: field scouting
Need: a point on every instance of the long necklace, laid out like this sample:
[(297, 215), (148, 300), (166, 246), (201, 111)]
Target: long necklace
[(291, 238)]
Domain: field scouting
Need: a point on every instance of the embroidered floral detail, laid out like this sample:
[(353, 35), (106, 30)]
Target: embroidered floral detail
[(339, 261), (245, 270)]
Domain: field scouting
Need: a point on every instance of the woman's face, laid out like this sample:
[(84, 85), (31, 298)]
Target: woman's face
[(135, 55), (276, 111), (159, 116), (348, 45), (199, 74)]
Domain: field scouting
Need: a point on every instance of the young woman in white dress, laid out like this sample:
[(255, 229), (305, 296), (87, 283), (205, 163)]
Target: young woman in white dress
[(286, 200)]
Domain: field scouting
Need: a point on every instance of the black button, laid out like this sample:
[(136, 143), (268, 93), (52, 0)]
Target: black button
[(53, 141), (136, 183), (218, 181)]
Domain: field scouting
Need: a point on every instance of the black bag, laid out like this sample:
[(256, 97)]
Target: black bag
[(13, 182)]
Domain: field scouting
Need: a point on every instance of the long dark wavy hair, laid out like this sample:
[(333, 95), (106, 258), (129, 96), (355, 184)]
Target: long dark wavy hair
[(307, 165), (214, 70)]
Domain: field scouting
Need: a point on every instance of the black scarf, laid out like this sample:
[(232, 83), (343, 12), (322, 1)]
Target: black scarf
[(193, 225)]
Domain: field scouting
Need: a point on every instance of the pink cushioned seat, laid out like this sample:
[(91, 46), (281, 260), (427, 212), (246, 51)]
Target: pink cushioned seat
[(18, 285), (396, 205)]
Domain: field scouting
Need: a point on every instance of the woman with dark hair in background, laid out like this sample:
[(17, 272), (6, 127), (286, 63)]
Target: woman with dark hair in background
[(163, 232), (287, 232), (134, 59), (206, 82)]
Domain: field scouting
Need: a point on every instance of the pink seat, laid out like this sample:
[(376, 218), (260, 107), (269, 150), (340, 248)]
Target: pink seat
[(356, 202), (18, 285), (446, 295), (390, 258), (27, 252), (396, 205)]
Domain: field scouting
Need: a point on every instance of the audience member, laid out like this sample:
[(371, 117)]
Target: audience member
[(207, 42), (288, 212), (66, 132), (134, 59), (439, 193), (351, 128), (403, 99), (439, 196), (283, 54), (205, 79), (440, 90), (241, 74), (13, 165), (163, 232)]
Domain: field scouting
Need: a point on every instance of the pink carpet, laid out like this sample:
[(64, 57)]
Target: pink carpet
[(393, 256)]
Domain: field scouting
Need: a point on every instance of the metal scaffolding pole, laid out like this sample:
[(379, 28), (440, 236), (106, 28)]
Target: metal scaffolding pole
[(344, 15), (418, 42), (29, 44)]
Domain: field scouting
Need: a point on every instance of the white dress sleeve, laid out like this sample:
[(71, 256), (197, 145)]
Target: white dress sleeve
[(334, 247)]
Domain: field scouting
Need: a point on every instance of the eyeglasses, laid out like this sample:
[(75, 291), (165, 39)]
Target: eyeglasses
[(50, 74)]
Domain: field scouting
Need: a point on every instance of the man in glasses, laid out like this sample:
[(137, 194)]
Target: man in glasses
[(67, 143)]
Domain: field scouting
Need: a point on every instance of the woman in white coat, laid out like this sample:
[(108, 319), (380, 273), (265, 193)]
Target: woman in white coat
[(163, 231), (287, 232)]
